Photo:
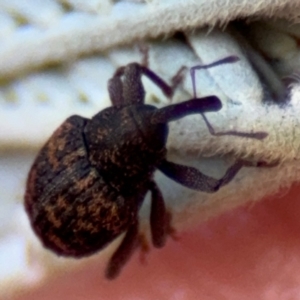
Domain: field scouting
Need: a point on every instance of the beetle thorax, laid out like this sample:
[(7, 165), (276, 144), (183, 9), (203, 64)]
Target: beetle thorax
[(125, 147)]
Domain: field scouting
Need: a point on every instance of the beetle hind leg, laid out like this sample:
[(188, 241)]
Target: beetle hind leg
[(159, 218), (160, 221), (123, 253)]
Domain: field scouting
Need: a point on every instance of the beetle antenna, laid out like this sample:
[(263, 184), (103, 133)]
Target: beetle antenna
[(227, 60)]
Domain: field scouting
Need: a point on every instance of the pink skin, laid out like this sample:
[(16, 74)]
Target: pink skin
[(249, 253)]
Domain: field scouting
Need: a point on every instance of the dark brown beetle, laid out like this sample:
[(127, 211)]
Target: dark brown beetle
[(89, 180)]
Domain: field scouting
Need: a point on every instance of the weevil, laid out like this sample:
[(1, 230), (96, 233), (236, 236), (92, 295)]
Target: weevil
[(89, 180)]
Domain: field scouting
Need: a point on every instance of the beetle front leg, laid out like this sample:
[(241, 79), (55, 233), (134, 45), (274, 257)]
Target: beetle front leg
[(130, 90), (133, 90), (167, 89), (194, 179), (123, 253), (115, 90), (260, 135)]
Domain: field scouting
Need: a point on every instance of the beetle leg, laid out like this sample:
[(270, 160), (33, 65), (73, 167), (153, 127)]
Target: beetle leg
[(130, 90), (115, 90), (194, 179), (158, 217), (167, 89), (259, 135), (123, 253), (133, 89), (230, 59), (226, 60), (144, 248), (144, 50)]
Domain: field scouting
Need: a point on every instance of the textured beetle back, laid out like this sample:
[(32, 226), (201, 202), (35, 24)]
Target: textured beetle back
[(71, 208)]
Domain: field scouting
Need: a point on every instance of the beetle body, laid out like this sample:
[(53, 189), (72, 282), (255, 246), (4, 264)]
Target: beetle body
[(89, 180), (84, 189)]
